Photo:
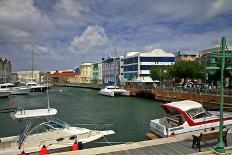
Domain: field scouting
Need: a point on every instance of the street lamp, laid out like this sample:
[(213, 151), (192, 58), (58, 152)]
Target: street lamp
[(212, 69)]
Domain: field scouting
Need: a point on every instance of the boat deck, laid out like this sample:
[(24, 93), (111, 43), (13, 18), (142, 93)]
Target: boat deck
[(171, 145)]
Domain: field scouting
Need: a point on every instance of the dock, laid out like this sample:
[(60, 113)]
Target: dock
[(171, 145)]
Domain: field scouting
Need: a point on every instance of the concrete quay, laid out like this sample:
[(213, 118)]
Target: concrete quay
[(172, 145)]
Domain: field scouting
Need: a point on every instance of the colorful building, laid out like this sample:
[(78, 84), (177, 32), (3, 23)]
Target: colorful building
[(62, 77), (97, 73), (111, 70), (86, 72)]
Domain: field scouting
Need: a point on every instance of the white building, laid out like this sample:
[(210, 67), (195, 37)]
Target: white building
[(136, 66), (26, 76)]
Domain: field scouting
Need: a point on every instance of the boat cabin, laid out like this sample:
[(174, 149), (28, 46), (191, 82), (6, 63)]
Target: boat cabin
[(186, 110)]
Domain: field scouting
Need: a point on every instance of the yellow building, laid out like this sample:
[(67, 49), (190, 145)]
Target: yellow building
[(86, 72)]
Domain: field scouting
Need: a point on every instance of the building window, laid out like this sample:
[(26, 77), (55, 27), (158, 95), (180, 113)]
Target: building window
[(157, 59), (131, 60), (145, 67), (130, 68)]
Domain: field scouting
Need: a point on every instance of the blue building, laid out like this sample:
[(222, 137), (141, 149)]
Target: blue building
[(111, 70)]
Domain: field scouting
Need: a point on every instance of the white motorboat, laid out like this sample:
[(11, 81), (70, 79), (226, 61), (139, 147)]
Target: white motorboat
[(21, 90), (54, 134), (35, 87), (4, 92), (114, 91), (187, 117)]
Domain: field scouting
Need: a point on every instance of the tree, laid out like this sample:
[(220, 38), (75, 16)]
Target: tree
[(159, 73), (187, 69)]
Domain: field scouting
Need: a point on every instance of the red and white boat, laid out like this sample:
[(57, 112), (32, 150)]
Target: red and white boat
[(187, 117)]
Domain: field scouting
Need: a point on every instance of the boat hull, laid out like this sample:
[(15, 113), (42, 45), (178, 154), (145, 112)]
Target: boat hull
[(20, 91), (114, 92), (157, 126), (4, 94), (54, 140), (38, 89)]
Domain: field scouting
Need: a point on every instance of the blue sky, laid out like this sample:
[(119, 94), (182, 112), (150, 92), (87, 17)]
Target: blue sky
[(66, 33)]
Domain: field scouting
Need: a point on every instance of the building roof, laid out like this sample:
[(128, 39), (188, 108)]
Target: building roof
[(153, 53), (185, 105)]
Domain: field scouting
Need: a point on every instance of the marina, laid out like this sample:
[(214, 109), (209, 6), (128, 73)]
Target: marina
[(115, 77), (88, 111)]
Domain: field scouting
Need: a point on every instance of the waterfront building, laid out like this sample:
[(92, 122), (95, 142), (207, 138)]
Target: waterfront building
[(136, 66), (77, 70), (86, 72), (66, 76), (26, 76), (111, 70), (204, 56), (5, 70), (185, 57), (97, 73)]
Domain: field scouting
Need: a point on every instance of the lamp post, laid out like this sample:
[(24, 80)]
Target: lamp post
[(212, 69)]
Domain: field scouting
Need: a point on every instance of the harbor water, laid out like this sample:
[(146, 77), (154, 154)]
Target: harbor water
[(130, 116)]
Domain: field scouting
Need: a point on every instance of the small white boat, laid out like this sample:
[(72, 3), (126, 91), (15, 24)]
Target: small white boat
[(114, 91), (187, 117), (15, 90), (21, 114), (35, 87)]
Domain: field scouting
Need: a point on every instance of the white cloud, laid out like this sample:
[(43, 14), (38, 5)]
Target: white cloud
[(92, 38), (69, 8), (219, 7)]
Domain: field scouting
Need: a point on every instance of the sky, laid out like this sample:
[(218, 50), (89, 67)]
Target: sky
[(65, 33)]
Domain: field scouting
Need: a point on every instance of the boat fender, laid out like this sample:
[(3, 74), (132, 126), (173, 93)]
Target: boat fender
[(75, 146), (43, 150), (80, 145)]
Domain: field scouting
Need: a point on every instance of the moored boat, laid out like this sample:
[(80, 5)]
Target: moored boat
[(187, 117), (14, 90), (114, 91), (35, 87)]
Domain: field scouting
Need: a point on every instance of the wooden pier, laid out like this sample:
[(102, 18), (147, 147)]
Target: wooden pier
[(207, 100)]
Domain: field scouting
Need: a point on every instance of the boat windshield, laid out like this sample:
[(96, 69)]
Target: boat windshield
[(57, 124), (198, 113)]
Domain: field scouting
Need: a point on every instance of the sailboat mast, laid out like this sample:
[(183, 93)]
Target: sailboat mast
[(115, 52), (48, 95), (32, 63)]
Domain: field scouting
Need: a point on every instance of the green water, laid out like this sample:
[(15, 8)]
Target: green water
[(130, 116)]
